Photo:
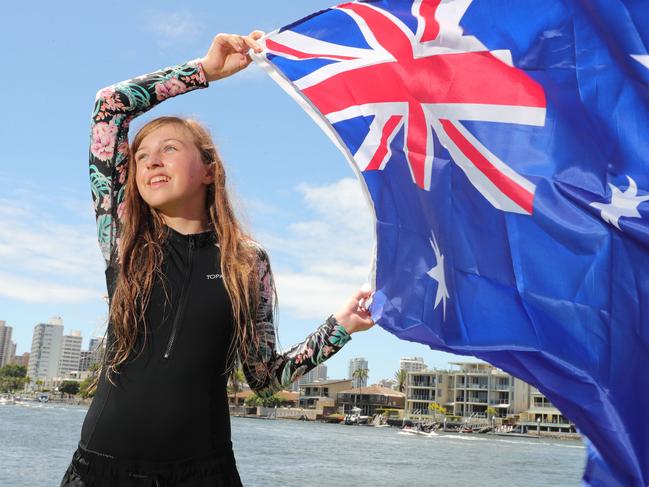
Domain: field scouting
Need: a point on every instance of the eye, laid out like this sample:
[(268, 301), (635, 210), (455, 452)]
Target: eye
[(140, 156), (167, 147)]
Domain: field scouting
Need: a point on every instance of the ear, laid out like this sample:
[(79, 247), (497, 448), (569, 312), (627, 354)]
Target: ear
[(208, 177)]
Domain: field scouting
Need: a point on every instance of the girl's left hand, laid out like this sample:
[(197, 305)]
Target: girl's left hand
[(354, 316)]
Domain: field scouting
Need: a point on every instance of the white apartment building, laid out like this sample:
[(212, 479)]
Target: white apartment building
[(7, 347), (466, 391), (542, 414), (70, 353), (355, 364), (424, 388), (478, 386), (317, 374), (47, 342), (95, 343), (412, 364), (94, 354)]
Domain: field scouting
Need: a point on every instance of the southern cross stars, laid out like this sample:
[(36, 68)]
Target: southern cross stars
[(623, 204), (437, 273)]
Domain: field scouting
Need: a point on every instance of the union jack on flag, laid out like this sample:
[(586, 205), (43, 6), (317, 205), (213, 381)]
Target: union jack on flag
[(504, 150), (428, 79)]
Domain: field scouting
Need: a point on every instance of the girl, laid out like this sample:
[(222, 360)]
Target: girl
[(190, 293)]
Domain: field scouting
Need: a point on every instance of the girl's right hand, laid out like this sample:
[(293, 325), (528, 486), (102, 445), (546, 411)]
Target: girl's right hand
[(228, 54)]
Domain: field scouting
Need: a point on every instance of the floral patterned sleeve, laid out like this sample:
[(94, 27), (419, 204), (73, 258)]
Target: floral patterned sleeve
[(266, 370), (115, 107)]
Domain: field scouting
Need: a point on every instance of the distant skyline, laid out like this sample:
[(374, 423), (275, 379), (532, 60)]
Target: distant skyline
[(292, 187)]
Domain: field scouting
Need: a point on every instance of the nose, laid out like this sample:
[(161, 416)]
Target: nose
[(154, 160)]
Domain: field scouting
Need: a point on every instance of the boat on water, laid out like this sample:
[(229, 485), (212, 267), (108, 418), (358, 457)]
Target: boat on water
[(7, 400), (417, 432), (355, 417)]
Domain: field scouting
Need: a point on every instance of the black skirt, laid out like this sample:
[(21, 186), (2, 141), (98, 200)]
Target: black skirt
[(89, 468)]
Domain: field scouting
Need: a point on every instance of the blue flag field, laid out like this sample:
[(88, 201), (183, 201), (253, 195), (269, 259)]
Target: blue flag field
[(504, 150)]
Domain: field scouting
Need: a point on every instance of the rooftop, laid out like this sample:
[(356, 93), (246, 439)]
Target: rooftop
[(374, 390), (325, 382)]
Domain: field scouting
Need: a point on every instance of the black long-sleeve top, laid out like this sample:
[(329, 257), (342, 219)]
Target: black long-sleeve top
[(170, 402)]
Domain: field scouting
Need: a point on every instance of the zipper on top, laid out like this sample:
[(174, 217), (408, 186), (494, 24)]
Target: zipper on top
[(181, 302)]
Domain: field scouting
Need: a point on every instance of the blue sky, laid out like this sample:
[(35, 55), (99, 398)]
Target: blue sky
[(294, 190)]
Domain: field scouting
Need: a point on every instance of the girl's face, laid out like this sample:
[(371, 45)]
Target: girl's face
[(170, 174)]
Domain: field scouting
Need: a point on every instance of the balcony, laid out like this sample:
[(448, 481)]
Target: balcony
[(421, 397), (545, 405), (477, 400)]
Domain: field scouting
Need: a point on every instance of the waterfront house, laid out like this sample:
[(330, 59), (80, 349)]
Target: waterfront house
[(544, 416), (369, 399), (470, 390), (322, 394), (287, 398)]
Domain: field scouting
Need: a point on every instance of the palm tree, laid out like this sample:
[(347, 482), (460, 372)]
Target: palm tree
[(237, 378), (361, 375), (401, 376)]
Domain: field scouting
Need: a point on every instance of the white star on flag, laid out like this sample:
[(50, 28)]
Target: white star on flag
[(437, 273), (623, 204), (642, 59)]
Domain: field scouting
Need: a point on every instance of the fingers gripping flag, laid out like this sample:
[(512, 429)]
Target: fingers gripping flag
[(505, 155)]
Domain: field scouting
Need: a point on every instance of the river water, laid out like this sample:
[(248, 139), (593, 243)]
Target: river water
[(37, 442)]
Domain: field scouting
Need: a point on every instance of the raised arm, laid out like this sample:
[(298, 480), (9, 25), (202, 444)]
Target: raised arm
[(268, 371), (115, 107)]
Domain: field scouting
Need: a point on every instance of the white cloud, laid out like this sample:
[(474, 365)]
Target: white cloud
[(34, 290), (44, 259), (173, 27), (318, 263)]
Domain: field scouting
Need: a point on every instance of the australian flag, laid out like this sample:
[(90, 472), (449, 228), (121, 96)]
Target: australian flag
[(504, 149)]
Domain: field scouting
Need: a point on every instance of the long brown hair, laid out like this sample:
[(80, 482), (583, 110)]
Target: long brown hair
[(141, 254)]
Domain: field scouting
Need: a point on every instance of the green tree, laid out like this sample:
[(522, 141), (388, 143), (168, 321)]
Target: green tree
[(436, 408), (69, 387), (252, 400), (267, 402), (361, 375), (84, 386), (401, 376), (13, 377), (272, 401), (13, 370)]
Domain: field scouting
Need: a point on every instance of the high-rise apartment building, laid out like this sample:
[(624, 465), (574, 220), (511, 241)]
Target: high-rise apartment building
[(92, 355), (70, 353), (317, 374), (95, 342), (355, 364), (22, 360), (7, 347), (47, 342)]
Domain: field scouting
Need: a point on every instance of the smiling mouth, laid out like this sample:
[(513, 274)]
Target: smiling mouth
[(159, 181)]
